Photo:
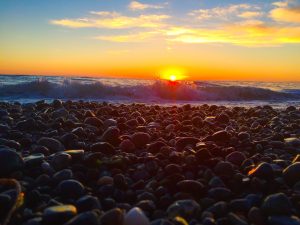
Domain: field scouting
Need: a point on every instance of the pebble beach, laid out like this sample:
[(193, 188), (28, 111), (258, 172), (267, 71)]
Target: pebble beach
[(91, 163)]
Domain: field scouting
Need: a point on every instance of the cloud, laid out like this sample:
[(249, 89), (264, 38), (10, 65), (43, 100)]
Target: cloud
[(113, 20), (129, 38), (285, 13), (221, 13), (240, 24), (252, 33), (250, 14), (135, 6)]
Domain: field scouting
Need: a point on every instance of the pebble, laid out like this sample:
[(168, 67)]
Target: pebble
[(184, 208), (71, 189), (58, 214), (119, 164), (277, 204), (263, 170), (236, 158), (127, 146), (10, 161), (292, 173), (105, 180), (87, 218), (140, 139), (103, 147), (61, 160), (136, 217), (34, 159), (113, 217), (52, 144), (283, 220)]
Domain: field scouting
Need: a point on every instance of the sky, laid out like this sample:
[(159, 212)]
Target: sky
[(192, 39)]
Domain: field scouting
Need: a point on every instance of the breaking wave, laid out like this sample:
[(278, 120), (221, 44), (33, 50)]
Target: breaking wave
[(156, 90)]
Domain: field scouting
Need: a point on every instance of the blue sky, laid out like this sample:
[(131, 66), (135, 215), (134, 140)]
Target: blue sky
[(153, 34)]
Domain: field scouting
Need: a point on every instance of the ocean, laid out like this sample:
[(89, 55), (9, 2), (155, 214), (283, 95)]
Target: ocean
[(26, 89)]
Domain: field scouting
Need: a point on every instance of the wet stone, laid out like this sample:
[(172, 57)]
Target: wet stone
[(71, 189), (10, 161), (58, 214), (112, 217)]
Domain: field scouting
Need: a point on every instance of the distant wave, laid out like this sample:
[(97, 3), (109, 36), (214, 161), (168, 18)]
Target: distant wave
[(158, 90)]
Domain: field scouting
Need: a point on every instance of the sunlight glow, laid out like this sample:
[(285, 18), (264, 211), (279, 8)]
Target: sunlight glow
[(173, 74)]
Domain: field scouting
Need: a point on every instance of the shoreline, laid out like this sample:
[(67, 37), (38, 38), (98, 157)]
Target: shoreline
[(96, 163)]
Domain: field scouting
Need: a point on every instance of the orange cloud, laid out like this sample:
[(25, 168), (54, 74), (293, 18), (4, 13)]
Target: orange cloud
[(250, 33), (286, 14)]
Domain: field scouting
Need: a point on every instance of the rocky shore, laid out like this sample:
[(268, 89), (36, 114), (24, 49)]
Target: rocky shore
[(86, 163)]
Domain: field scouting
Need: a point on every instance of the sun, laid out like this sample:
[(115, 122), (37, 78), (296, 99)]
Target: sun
[(172, 74), (173, 78)]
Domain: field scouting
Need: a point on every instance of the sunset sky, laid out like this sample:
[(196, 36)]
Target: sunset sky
[(198, 39)]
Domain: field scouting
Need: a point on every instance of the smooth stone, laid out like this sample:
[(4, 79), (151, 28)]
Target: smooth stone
[(52, 144), (103, 147), (120, 181), (203, 155), (77, 154), (220, 193), (216, 182), (34, 159), (221, 136), (10, 161), (64, 174), (277, 204), (110, 123), (60, 113), (182, 142), (240, 204), (3, 113), (236, 158), (61, 160), (93, 121), (161, 222), (10, 143), (283, 220), (243, 136), (184, 208), (140, 139), (292, 173), (146, 205), (71, 189), (224, 169), (263, 171), (179, 220), (111, 135), (105, 180), (255, 216), (219, 209), (58, 214), (5, 203), (87, 203), (236, 220), (127, 146), (86, 218), (222, 118), (191, 186), (295, 142), (136, 217), (112, 217)]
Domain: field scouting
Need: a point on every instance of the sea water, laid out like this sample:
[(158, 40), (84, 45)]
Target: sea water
[(26, 89)]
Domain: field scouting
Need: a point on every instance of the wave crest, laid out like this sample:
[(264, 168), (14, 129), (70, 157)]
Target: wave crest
[(158, 90)]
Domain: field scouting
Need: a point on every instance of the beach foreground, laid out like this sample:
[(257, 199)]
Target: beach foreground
[(91, 163)]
